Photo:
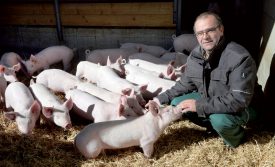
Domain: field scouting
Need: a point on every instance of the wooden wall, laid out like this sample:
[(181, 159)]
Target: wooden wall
[(137, 14)]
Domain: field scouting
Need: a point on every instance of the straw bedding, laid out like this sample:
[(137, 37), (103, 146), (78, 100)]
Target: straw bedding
[(181, 144)]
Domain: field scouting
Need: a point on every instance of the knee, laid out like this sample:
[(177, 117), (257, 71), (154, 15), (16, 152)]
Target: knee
[(221, 123)]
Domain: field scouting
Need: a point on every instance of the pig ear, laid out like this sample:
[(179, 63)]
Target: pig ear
[(132, 93), (170, 69), (2, 69), (35, 107), (119, 60), (182, 68), (143, 88), (173, 76), (120, 110), (108, 61), (153, 107), (69, 103), (47, 112), (123, 100), (126, 91), (17, 67), (11, 115), (33, 58)]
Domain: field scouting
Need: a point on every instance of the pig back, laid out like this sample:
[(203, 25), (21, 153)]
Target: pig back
[(18, 95)]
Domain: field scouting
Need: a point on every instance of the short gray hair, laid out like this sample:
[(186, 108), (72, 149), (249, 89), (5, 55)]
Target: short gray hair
[(208, 13)]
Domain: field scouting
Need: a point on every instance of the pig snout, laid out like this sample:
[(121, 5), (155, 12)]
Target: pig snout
[(24, 130)]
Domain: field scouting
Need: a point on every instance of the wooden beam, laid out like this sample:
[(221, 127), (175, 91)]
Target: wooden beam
[(149, 14)]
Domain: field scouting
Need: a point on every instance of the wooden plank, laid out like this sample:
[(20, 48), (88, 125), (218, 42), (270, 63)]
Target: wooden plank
[(117, 8), (157, 14), (89, 8), (92, 20), (40, 20), (28, 9), (119, 20)]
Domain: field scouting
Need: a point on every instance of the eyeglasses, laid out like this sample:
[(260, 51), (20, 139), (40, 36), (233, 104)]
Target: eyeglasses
[(207, 31)]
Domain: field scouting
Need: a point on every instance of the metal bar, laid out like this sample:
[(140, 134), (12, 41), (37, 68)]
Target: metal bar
[(58, 20), (179, 20)]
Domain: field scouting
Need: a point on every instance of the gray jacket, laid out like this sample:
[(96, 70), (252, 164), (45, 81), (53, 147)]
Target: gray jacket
[(225, 81)]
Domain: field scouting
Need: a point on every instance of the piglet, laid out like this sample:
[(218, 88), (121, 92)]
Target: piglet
[(52, 108), (10, 59), (49, 56), (185, 43), (100, 55), (13, 60), (26, 110), (97, 110), (153, 65), (9, 72), (57, 80), (141, 76), (156, 51), (142, 131), (112, 97)]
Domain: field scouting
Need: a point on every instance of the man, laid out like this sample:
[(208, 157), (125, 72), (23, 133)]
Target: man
[(218, 83)]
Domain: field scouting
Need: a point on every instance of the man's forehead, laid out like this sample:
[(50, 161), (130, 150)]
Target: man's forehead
[(209, 20)]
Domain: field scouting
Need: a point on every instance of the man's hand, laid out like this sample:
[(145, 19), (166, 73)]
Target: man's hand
[(188, 105)]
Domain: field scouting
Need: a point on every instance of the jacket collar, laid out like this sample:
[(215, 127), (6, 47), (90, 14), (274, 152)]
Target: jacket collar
[(214, 57)]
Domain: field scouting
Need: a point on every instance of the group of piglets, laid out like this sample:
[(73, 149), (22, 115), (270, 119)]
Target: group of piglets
[(111, 88), (24, 104)]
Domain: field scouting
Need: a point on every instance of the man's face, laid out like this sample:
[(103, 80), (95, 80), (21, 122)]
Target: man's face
[(208, 32)]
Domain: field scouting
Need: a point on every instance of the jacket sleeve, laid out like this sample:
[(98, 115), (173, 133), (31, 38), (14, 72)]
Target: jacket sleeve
[(241, 81)]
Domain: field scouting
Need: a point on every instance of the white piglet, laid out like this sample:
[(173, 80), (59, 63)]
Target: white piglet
[(101, 55), (10, 59), (156, 51), (9, 72), (14, 61), (26, 110), (52, 107), (142, 131), (87, 70), (109, 80), (112, 97), (166, 69), (57, 80), (97, 110), (141, 76), (49, 56)]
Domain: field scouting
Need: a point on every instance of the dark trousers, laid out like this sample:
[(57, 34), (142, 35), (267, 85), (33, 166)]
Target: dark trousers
[(228, 126)]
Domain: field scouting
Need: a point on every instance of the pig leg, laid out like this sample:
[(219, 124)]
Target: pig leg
[(148, 149), (66, 65), (91, 150), (95, 153), (8, 106), (147, 145)]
